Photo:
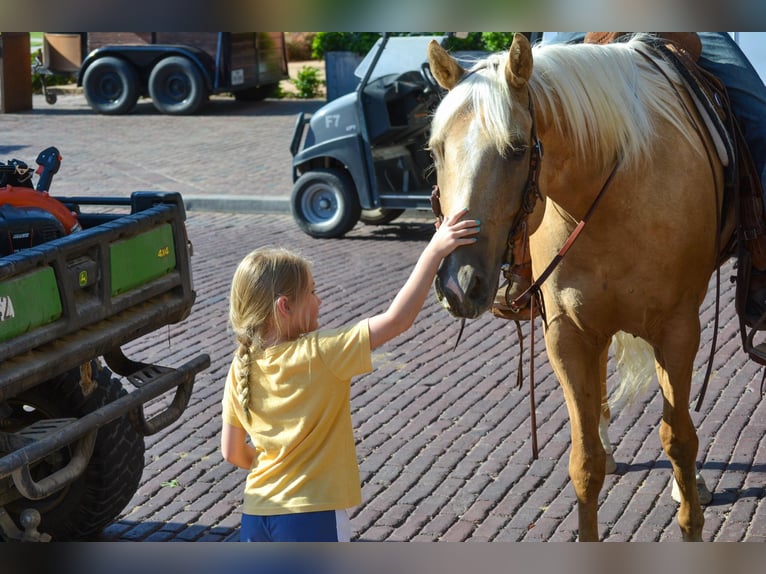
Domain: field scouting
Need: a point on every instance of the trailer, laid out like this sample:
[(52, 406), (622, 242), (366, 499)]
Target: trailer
[(179, 71)]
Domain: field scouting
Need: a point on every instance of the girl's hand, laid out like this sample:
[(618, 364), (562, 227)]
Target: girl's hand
[(450, 234), (453, 232)]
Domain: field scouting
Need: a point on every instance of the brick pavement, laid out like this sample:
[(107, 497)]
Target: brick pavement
[(442, 436), (233, 149)]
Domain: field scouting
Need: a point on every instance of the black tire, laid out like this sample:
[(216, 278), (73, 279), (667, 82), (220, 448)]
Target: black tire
[(379, 216), (256, 94), (81, 510), (177, 87), (324, 203), (111, 86)]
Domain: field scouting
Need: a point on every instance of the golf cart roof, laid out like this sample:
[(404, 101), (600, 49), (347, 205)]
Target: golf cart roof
[(401, 54)]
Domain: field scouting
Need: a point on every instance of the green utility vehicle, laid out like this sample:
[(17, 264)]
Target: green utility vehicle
[(76, 284)]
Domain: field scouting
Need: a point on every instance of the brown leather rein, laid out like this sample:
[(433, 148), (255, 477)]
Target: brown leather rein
[(533, 295)]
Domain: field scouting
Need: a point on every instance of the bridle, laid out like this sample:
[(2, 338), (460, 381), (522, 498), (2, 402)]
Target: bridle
[(518, 228), (531, 190)]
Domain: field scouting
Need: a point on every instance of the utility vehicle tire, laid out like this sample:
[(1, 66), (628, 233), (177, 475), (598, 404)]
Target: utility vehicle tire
[(83, 508), (380, 216), (177, 87), (111, 86), (324, 203), (256, 94)]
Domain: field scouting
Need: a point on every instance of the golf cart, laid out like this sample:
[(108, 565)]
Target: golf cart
[(363, 155)]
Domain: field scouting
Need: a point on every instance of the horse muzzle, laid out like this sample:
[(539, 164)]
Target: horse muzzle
[(463, 290)]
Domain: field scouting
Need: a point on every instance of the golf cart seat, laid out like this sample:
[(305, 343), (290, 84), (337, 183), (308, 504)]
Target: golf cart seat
[(395, 106)]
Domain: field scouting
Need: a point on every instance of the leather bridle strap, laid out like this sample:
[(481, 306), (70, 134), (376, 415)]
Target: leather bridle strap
[(532, 190)]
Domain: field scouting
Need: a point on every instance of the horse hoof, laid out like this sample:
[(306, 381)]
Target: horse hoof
[(611, 465), (704, 494)]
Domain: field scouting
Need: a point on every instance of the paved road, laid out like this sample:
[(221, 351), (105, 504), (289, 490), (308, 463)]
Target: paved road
[(234, 151), (443, 436)]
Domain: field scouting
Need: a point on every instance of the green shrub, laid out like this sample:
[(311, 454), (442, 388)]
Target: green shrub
[(307, 82), (279, 93), (496, 41), (361, 42), (356, 42)]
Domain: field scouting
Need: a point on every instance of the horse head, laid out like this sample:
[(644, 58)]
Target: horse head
[(482, 141)]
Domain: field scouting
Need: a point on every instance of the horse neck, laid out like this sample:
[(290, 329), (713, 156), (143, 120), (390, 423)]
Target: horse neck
[(564, 177)]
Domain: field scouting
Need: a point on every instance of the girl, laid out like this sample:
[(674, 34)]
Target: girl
[(288, 389)]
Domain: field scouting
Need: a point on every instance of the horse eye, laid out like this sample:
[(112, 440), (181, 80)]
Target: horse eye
[(517, 152)]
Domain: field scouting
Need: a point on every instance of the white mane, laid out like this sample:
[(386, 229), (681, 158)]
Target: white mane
[(605, 99)]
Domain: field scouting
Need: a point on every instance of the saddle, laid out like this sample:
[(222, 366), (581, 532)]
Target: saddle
[(742, 194)]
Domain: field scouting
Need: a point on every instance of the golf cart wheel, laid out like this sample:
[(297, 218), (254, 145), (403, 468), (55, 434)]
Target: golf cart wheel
[(380, 216), (176, 86), (84, 507), (110, 86), (324, 203)]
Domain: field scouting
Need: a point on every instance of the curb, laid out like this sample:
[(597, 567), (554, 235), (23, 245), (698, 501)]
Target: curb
[(260, 204), (236, 204)]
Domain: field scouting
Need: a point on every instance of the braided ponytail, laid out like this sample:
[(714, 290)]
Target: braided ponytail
[(261, 277), (242, 372)]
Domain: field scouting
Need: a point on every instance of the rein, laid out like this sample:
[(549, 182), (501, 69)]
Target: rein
[(534, 290), (694, 123), (533, 295)]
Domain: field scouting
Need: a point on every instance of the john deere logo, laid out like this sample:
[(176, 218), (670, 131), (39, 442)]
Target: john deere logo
[(163, 252), (6, 308), (83, 278)]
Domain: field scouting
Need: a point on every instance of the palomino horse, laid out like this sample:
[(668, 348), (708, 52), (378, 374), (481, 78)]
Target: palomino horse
[(612, 117)]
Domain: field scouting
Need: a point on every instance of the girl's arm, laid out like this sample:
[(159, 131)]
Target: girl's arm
[(405, 307), (234, 447)]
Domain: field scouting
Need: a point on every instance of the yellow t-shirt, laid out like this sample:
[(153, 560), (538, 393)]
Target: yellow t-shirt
[(301, 422)]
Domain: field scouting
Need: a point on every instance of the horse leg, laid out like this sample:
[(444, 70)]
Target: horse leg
[(606, 415), (675, 358), (577, 365)]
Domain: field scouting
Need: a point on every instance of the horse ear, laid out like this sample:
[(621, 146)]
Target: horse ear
[(444, 67), (518, 70)]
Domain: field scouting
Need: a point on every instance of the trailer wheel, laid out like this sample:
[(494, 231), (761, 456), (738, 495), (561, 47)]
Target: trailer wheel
[(83, 508), (324, 203), (176, 86), (110, 86), (380, 216)]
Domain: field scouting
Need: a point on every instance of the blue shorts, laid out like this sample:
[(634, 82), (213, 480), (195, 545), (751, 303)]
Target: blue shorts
[(325, 526)]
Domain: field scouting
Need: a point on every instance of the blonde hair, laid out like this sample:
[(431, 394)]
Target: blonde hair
[(262, 277)]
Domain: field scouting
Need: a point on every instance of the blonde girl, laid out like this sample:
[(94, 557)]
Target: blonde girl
[(288, 389)]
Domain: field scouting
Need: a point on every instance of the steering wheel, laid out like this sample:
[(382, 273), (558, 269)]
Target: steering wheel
[(431, 84)]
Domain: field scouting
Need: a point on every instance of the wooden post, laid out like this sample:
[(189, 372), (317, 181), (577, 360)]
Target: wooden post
[(15, 72)]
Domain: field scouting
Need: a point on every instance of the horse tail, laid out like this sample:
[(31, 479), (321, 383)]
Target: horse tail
[(635, 368)]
